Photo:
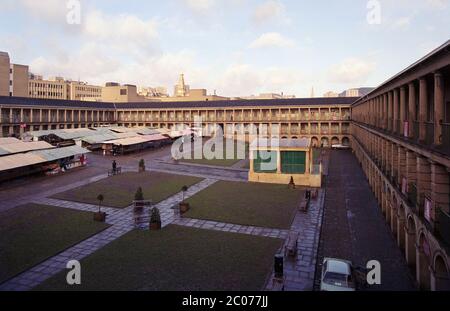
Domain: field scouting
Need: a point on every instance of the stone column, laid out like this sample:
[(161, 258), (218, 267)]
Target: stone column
[(440, 188), (394, 152), (390, 112), (385, 112), (423, 104), (423, 180), (438, 107), (396, 112), (401, 164), (411, 109), (411, 167), (402, 110)]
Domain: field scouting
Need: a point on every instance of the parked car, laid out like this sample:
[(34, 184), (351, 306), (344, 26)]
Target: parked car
[(337, 275), (340, 147)]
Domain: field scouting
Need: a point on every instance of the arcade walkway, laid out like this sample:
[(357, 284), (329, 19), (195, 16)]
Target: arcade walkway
[(354, 227)]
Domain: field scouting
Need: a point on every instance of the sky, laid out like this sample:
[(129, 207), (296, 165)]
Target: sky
[(233, 47)]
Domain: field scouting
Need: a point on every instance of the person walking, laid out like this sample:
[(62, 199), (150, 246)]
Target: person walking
[(114, 166)]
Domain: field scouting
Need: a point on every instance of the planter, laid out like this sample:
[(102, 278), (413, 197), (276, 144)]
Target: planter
[(100, 216), (139, 206), (154, 226), (184, 207)]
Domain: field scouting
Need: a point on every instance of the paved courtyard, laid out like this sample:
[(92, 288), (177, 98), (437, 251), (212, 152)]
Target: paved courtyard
[(39, 190), (354, 227)]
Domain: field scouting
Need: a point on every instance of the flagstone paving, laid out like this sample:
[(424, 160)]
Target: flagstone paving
[(122, 221), (299, 272)]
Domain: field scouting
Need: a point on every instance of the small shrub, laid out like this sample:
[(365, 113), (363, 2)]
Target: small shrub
[(139, 195), (155, 217)]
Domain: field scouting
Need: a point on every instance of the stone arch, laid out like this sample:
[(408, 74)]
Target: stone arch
[(346, 141), (334, 141), (441, 273), (325, 142), (394, 216), (410, 242), (315, 142), (401, 225), (388, 206), (423, 275)]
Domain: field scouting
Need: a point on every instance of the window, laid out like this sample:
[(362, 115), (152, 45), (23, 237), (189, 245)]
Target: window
[(293, 162), (123, 92), (265, 162)]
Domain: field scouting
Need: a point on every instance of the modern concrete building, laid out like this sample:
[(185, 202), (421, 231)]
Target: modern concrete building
[(356, 92), (331, 94), (82, 91), (115, 93), (4, 73), (53, 88), (401, 136), (13, 78), (18, 80), (59, 88), (269, 96)]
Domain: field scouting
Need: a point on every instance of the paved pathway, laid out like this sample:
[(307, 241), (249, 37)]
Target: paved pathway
[(226, 227), (354, 227), (299, 271), (122, 222)]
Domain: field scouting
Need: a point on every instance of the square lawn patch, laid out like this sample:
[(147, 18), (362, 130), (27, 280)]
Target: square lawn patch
[(31, 233), (119, 190), (255, 204), (228, 157), (176, 258)]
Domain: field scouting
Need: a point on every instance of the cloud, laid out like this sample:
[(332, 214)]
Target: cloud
[(351, 70), (269, 10), (245, 80), (119, 29), (272, 39), (200, 6), (54, 10), (402, 22), (438, 4)]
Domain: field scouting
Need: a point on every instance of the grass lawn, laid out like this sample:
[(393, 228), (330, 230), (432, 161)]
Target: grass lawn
[(176, 258), (229, 156), (256, 204), (119, 190), (32, 233)]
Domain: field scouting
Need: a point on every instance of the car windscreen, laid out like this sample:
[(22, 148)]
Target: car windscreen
[(336, 279)]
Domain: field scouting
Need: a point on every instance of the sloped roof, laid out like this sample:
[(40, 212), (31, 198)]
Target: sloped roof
[(8, 140), (280, 143), (60, 153), (25, 146), (19, 160)]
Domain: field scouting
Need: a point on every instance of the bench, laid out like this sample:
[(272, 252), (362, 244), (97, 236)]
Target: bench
[(290, 249), (141, 219), (118, 171), (304, 204), (278, 284)]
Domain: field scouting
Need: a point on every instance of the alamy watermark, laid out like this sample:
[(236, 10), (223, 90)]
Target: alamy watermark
[(73, 16), (373, 12), (73, 277), (192, 145)]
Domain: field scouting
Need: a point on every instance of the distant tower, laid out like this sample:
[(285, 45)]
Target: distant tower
[(181, 89), (312, 92)]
